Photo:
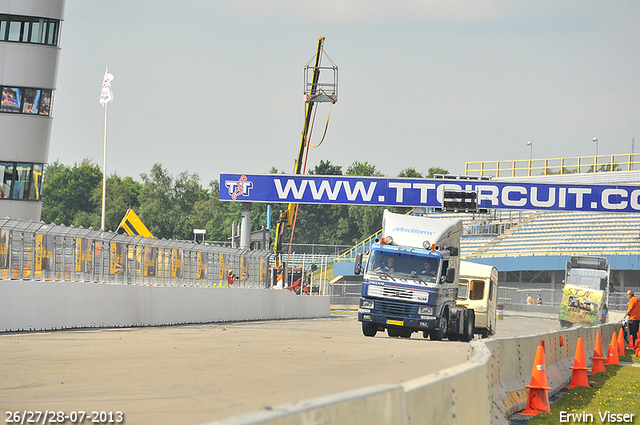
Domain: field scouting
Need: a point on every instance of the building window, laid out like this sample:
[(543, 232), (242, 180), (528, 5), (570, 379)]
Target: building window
[(6, 171), (26, 29), (24, 100), (21, 181), (36, 182), (10, 99)]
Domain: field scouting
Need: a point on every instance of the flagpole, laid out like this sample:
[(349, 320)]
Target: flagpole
[(106, 84), (104, 168)]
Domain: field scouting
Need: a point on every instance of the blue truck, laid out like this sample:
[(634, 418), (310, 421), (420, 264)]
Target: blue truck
[(410, 281)]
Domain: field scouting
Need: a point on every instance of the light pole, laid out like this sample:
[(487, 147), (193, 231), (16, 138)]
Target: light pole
[(595, 158), (530, 155)]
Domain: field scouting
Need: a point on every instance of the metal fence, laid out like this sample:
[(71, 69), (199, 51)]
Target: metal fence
[(49, 252), (348, 292), (618, 301)]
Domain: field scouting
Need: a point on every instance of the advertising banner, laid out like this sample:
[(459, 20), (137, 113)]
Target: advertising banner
[(84, 255), (309, 189), (117, 258), (150, 254), (44, 252), (223, 268), (244, 268), (4, 249), (201, 265), (264, 270), (177, 262)]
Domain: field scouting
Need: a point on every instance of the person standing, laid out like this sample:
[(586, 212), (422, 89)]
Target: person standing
[(231, 278), (633, 312), (529, 300)]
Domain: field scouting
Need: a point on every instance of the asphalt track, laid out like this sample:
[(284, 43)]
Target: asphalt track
[(198, 373)]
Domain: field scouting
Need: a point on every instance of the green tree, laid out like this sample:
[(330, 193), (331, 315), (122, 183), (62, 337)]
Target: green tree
[(436, 170), (214, 215), (363, 169), (166, 204), (68, 193), (362, 220), (121, 194), (410, 172), (322, 224)]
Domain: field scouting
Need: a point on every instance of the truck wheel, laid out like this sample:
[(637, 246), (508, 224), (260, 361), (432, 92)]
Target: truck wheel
[(438, 334), (484, 333), (369, 329), (469, 322)]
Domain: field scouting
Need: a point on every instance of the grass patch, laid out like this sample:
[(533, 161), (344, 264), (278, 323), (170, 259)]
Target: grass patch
[(631, 358), (617, 391)]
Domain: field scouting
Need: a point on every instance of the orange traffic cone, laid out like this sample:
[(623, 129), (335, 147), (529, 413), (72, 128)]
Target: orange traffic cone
[(598, 357), (538, 400), (579, 375), (612, 352), (621, 343), (638, 352)]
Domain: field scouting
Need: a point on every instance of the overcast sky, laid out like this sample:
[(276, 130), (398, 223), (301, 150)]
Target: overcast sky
[(216, 86)]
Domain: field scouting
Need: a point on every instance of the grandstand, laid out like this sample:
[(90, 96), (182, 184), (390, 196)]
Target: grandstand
[(531, 248)]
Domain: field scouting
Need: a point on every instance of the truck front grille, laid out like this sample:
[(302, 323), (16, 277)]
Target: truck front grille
[(389, 308)]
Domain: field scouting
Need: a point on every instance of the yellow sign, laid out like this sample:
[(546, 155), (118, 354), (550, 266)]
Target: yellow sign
[(132, 224)]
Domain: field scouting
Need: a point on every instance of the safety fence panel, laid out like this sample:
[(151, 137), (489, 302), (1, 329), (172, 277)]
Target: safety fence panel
[(49, 252)]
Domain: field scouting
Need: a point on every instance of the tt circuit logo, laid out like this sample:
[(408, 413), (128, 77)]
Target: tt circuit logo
[(241, 187)]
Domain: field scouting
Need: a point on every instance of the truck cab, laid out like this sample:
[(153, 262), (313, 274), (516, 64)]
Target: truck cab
[(586, 291), (410, 281)]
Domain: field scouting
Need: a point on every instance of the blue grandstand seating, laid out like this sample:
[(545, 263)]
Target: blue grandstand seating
[(562, 233)]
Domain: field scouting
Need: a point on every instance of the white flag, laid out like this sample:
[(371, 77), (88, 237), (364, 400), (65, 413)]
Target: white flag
[(106, 95)]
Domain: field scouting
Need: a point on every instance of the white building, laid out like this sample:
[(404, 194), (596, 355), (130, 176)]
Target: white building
[(29, 52)]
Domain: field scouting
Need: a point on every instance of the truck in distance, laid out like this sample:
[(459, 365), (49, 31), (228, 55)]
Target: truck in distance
[(586, 291), (410, 281)]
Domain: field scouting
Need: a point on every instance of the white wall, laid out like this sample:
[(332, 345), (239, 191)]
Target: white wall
[(26, 305)]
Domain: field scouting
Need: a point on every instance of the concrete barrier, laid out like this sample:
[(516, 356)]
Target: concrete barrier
[(379, 405), (485, 390), (29, 305)]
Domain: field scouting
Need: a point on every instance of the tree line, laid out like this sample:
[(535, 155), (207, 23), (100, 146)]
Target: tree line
[(172, 206)]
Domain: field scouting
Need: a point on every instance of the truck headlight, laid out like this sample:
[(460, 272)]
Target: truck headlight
[(366, 304), (425, 310)]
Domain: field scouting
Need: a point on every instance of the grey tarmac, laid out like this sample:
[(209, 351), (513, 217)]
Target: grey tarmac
[(197, 373)]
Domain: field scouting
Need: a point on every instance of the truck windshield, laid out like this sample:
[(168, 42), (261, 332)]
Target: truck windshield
[(403, 266), (589, 278)]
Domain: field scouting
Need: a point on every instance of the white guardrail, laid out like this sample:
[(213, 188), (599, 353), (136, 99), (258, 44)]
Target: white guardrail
[(485, 390)]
